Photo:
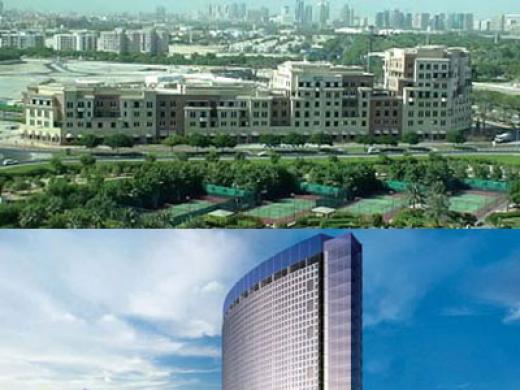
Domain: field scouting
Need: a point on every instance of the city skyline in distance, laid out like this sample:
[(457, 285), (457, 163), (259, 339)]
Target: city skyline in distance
[(366, 8)]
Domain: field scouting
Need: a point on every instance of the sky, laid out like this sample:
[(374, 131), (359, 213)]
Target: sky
[(366, 7), (141, 310)]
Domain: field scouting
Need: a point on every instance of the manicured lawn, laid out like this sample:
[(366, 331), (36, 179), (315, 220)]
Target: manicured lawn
[(513, 159)]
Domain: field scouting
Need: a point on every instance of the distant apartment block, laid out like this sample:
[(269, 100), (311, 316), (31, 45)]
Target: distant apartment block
[(426, 90), (22, 40), (78, 41), (121, 41), (64, 42), (511, 23)]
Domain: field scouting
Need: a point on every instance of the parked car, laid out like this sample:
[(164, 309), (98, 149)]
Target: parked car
[(9, 161)]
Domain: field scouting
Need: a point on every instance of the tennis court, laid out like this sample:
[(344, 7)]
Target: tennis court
[(182, 212), (472, 202), (284, 209), (383, 204), (189, 207)]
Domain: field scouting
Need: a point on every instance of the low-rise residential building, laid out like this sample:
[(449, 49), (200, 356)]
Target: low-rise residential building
[(427, 90), (86, 41), (121, 41), (22, 40), (64, 42), (434, 83), (78, 41), (323, 96)]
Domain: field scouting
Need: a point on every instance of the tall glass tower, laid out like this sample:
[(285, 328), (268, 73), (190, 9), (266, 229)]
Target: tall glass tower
[(295, 321)]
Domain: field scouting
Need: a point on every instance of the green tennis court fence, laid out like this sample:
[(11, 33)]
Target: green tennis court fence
[(323, 190), (487, 185), (242, 199), (396, 185)]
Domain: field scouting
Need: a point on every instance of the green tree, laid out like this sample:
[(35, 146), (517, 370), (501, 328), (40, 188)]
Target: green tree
[(270, 140), (174, 140), (212, 156), (118, 141), (366, 140), (321, 139), (87, 161), (240, 156), (3, 180), (514, 192), (414, 194), (199, 140), (411, 138), (182, 156), (456, 137), (225, 141), (150, 158), (295, 139), (437, 205), (274, 157), (388, 140), (57, 165), (90, 141)]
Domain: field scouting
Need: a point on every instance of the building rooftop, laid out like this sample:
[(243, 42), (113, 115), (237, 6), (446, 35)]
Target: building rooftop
[(278, 262)]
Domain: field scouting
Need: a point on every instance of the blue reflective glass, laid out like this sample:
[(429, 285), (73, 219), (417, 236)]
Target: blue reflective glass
[(278, 262)]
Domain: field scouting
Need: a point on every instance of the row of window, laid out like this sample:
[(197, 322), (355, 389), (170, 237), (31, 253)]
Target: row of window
[(333, 84), (329, 123), (101, 125)]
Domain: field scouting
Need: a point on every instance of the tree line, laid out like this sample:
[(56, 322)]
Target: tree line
[(121, 194)]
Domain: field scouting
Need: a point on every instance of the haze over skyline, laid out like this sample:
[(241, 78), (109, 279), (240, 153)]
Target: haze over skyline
[(366, 8)]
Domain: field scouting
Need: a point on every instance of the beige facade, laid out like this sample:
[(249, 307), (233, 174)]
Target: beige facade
[(434, 83), (426, 90), (325, 97), (63, 114)]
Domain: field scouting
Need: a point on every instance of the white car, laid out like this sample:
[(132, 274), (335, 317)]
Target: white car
[(504, 138), (374, 150), (9, 161)]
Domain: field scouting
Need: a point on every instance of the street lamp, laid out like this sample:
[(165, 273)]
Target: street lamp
[(188, 199), (293, 195)]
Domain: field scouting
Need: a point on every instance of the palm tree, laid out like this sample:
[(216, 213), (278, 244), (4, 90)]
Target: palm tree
[(437, 204), (414, 195)]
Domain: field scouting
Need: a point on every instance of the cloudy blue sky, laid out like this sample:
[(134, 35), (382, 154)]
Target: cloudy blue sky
[(142, 309), (367, 7)]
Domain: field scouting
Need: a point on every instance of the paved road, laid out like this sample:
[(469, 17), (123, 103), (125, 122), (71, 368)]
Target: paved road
[(507, 88), (482, 152)]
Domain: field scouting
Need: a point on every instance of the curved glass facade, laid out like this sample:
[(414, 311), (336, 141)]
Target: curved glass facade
[(294, 322)]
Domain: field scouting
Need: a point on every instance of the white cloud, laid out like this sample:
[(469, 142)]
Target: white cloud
[(401, 270), (498, 284), (96, 310), (513, 315), (458, 311)]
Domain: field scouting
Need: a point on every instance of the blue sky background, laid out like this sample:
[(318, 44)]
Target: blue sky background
[(366, 7), (142, 309)]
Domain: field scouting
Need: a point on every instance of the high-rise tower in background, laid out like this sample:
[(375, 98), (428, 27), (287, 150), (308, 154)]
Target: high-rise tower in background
[(299, 12), (295, 321)]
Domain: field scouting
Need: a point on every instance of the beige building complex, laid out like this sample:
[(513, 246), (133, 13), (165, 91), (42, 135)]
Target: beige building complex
[(426, 90)]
